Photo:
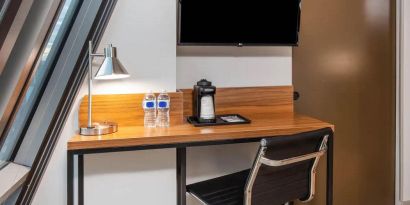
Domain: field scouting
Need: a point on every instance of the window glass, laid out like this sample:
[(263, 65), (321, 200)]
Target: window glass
[(4, 5), (44, 66)]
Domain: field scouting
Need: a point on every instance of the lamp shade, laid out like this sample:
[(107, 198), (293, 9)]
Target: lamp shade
[(111, 68)]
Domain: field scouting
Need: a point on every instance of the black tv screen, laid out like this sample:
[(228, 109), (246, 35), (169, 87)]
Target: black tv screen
[(238, 22)]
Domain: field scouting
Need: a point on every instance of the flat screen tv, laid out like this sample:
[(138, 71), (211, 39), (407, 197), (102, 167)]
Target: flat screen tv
[(238, 22)]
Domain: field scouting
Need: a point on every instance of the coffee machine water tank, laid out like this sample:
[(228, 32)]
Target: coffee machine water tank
[(204, 101)]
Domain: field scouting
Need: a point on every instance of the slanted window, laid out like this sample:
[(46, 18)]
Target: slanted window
[(32, 129), (44, 66), (4, 5), (42, 70)]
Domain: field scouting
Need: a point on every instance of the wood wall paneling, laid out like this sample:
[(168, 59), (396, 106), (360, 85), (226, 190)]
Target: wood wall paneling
[(262, 100), (344, 69), (126, 109)]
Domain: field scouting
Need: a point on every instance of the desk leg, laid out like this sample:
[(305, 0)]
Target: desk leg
[(80, 179), (70, 178), (329, 186), (181, 176)]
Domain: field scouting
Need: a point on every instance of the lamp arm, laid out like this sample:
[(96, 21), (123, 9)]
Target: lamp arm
[(90, 79)]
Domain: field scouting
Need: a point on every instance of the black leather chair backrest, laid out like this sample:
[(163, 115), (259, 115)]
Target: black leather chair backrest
[(278, 185)]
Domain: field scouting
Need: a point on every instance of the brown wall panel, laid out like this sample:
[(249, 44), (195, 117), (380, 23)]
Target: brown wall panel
[(344, 69)]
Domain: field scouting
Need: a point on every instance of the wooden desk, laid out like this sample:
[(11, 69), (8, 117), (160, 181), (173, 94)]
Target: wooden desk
[(181, 135), (261, 126)]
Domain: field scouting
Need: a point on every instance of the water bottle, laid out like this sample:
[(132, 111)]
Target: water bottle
[(149, 106), (163, 109)]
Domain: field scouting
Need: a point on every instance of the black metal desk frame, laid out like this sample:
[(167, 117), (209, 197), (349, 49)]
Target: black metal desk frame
[(180, 166)]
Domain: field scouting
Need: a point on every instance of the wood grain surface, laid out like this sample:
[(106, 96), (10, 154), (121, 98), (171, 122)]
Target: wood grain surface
[(271, 99), (262, 125), (269, 108), (126, 109)]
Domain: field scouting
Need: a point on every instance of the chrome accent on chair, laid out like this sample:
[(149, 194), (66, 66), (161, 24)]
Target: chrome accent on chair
[(252, 176), (277, 163), (308, 147), (323, 147), (283, 162), (198, 199)]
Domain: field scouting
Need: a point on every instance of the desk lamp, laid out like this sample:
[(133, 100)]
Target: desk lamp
[(111, 68)]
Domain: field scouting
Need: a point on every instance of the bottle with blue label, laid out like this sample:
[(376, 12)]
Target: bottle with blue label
[(163, 103), (150, 109)]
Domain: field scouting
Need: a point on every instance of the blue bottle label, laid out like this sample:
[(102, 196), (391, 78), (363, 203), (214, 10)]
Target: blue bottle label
[(148, 104), (163, 103)]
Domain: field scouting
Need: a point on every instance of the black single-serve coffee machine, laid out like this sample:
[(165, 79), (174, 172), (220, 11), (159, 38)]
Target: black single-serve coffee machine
[(203, 107)]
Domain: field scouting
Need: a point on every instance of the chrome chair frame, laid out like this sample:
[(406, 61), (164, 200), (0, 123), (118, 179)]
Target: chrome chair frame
[(261, 159)]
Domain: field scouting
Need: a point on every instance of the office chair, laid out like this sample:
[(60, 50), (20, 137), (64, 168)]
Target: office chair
[(283, 171)]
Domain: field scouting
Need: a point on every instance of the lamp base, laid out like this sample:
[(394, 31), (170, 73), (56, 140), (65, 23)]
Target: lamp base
[(99, 128)]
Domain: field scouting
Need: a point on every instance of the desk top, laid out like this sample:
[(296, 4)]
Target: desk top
[(269, 108), (272, 124)]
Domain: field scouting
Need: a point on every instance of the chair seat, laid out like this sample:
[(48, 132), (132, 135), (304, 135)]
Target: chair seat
[(224, 190)]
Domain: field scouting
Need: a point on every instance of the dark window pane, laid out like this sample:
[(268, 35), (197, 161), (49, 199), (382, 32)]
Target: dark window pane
[(4, 5)]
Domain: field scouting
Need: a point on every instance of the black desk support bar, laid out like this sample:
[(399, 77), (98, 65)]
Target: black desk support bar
[(180, 169)]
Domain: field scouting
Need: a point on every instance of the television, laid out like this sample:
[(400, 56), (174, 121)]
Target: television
[(238, 22)]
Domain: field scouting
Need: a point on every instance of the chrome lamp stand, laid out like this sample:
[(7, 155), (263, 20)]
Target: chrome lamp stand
[(111, 68)]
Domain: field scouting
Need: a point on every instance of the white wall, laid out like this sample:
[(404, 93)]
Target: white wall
[(405, 143), (144, 32), (233, 66)]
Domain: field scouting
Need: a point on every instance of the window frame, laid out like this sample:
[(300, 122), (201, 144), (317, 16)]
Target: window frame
[(65, 104), (30, 79), (27, 73), (70, 90), (10, 26), (13, 176)]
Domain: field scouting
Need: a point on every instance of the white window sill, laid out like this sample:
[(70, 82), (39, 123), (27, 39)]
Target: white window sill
[(12, 177)]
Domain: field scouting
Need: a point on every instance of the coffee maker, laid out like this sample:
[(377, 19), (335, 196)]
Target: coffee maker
[(204, 102)]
